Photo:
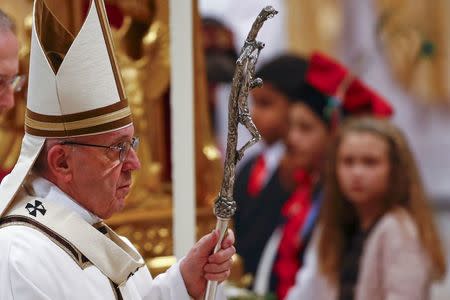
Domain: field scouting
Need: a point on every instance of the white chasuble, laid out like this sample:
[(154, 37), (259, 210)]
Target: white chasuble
[(50, 250)]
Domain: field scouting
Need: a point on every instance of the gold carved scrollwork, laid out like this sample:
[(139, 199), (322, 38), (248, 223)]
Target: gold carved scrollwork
[(142, 50), (207, 155)]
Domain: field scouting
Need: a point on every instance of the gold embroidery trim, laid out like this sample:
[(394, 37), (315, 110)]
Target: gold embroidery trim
[(74, 125)]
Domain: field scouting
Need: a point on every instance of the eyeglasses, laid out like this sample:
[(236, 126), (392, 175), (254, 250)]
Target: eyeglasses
[(123, 147), (16, 82)]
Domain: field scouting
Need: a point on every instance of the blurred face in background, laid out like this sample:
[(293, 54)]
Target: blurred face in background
[(9, 67), (270, 113), (307, 139), (363, 168)]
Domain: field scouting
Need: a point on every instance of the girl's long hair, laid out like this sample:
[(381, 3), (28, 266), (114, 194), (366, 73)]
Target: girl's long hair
[(405, 190)]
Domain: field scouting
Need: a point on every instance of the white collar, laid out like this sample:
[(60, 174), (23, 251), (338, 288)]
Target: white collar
[(48, 191), (273, 154)]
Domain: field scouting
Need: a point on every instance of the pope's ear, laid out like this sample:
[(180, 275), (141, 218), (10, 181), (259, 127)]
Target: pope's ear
[(58, 162)]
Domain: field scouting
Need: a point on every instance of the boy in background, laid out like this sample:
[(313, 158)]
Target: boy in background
[(259, 190)]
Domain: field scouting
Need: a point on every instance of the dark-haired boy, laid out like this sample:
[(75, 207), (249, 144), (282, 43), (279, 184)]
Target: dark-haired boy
[(259, 190)]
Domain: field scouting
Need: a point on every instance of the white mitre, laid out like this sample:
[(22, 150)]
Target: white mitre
[(74, 88)]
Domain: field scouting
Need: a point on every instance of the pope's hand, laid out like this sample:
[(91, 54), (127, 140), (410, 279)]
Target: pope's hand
[(201, 265)]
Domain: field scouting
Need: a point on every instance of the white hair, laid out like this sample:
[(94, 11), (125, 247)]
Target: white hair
[(40, 166)]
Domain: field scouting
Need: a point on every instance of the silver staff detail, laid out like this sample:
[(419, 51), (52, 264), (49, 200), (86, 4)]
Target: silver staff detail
[(238, 113)]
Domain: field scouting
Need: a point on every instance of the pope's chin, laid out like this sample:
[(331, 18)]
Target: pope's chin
[(121, 194), (115, 207)]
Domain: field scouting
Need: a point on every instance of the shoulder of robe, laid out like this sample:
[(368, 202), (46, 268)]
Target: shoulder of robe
[(33, 264), (25, 249)]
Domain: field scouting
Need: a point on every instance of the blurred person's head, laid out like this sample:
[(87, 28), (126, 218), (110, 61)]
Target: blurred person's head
[(308, 137), (220, 60), (372, 168), (9, 62), (318, 108), (220, 51), (270, 107)]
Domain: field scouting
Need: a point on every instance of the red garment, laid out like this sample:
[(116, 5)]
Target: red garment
[(3, 174), (295, 211), (257, 177)]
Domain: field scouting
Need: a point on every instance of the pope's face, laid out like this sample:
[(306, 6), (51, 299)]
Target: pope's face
[(100, 182)]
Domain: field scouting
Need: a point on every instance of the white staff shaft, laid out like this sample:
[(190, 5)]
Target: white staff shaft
[(211, 288)]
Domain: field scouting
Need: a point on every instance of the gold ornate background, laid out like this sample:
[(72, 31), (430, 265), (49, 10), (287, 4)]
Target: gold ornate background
[(314, 25), (414, 36), (416, 39)]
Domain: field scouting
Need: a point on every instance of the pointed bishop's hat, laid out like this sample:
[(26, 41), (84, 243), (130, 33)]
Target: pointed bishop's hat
[(74, 89)]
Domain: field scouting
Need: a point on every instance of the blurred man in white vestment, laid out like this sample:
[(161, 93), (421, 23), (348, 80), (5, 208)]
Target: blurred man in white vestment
[(74, 170), (10, 80)]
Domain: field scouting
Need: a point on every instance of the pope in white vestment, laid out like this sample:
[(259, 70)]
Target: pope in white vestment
[(37, 268)]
